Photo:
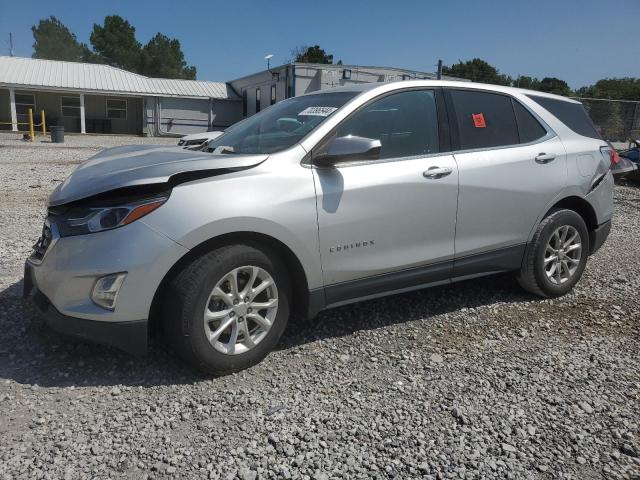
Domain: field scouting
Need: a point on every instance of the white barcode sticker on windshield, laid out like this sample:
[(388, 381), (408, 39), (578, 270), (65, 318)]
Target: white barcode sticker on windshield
[(318, 111)]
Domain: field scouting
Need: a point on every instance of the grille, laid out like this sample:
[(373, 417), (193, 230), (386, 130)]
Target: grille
[(43, 243)]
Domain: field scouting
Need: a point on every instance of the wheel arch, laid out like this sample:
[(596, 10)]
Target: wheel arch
[(298, 277), (579, 205)]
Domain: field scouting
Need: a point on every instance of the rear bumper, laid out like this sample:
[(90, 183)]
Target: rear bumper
[(598, 236), (130, 336)]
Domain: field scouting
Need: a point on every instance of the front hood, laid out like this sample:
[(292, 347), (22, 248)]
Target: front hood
[(136, 165)]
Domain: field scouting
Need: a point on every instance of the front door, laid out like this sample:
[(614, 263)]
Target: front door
[(389, 224)]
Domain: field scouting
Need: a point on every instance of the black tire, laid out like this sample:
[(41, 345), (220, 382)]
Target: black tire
[(187, 296), (532, 276)]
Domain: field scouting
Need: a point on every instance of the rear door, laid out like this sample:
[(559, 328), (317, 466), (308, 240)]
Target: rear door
[(511, 165), (383, 224)]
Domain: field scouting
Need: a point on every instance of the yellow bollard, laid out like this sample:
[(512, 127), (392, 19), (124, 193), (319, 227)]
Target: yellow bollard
[(32, 134), (44, 127)]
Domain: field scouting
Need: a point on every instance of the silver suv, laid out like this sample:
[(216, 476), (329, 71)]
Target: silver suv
[(318, 201)]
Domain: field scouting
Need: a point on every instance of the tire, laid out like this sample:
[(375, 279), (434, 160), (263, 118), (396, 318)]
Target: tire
[(539, 276), (191, 292)]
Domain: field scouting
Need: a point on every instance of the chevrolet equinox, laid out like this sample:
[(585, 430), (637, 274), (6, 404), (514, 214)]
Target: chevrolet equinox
[(318, 201)]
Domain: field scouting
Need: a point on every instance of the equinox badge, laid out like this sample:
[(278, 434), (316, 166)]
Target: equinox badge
[(350, 246)]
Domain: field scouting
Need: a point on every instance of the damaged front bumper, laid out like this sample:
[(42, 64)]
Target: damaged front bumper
[(62, 279)]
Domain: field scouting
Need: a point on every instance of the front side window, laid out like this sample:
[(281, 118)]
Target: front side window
[(484, 119), (116, 108), (281, 126), (406, 123), (70, 106)]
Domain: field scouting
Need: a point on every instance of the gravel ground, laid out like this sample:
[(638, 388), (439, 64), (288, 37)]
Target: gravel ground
[(473, 380)]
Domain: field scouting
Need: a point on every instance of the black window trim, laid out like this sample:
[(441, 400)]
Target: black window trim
[(444, 134), (455, 134)]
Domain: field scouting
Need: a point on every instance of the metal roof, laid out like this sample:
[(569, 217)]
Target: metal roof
[(363, 69), (89, 77)]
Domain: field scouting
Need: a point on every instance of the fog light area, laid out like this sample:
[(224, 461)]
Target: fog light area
[(105, 291)]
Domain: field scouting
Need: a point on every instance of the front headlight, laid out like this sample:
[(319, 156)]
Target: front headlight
[(90, 219)]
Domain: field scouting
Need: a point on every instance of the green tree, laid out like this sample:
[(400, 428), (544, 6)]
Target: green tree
[(477, 70), (163, 57), (530, 83), (115, 43), (313, 54), (554, 85), (54, 41), (613, 88)]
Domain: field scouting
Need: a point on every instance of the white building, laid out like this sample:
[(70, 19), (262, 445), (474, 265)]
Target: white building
[(92, 98)]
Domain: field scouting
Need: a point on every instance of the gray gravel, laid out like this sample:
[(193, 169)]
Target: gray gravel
[(473, 380)]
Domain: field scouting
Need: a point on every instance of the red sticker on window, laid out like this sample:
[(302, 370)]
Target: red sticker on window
[(478, 120)]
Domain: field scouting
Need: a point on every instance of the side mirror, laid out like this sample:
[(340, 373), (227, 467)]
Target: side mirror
[(348, 149)]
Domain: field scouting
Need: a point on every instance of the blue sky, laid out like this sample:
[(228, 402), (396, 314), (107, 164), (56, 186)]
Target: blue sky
[(578, 41)]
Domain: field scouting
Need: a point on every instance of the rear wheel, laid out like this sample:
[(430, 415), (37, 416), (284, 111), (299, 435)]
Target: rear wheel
[(227, 309), (557, 255)]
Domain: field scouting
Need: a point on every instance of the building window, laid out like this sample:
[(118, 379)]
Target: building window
[(70, 106), (273, 94), (257, 100), (244, 103), (346, 74), (116, 108), (24, 102), (406, 77)]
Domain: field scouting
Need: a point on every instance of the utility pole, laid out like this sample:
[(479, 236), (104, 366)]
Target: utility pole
[(10, 44), (439, 70)]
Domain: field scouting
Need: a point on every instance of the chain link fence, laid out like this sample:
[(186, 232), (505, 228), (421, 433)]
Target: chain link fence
[(618, 120)]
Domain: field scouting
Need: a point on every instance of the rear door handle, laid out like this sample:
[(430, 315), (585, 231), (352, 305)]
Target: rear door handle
[(545, 157), (437, 172)]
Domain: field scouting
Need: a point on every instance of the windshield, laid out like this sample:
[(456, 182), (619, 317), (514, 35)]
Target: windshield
[(281, 125)]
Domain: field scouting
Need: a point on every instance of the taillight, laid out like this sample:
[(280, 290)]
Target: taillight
[(611, 154)]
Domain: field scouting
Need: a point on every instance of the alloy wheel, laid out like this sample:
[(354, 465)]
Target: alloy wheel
[(241, 310), (563, 254)]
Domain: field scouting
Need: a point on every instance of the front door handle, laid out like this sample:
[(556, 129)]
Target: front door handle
[(545, 157), (437, 172)]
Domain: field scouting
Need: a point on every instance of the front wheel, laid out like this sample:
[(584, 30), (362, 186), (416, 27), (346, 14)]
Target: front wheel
[(557, 255), (226, 310)]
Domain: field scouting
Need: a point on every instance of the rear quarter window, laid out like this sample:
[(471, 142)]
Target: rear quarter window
[(529, 127), (573, 115)]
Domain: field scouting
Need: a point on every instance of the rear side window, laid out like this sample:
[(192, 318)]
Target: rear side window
[(573, 115), (406, 123), (484, 119), (529, 128)]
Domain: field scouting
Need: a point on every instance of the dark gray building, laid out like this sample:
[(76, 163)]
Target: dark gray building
[(259, 90)]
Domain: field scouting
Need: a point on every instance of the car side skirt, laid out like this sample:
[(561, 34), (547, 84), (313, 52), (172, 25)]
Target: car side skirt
[(441, 273)]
